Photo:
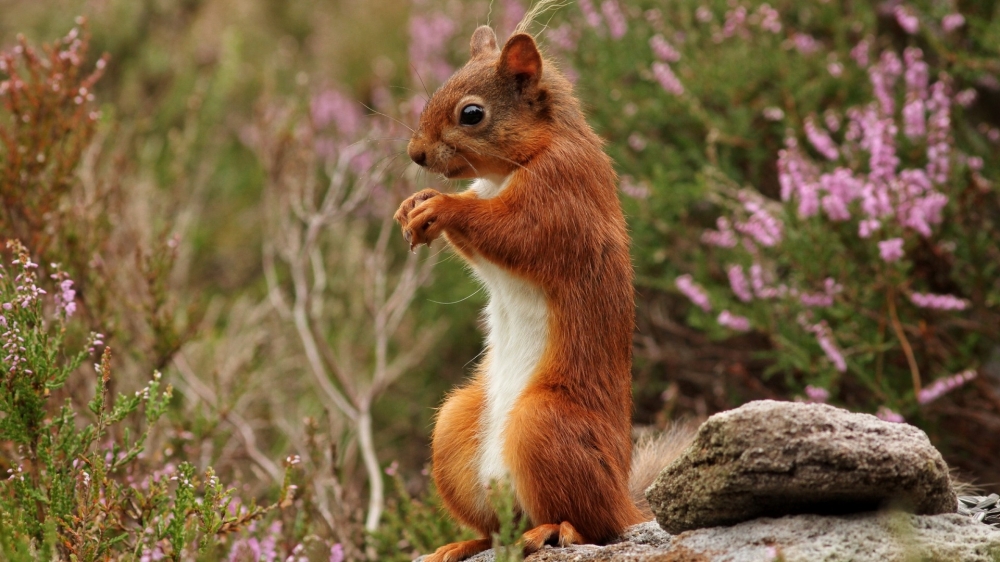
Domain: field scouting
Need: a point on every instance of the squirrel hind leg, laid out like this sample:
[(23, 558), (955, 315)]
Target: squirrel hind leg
[(563, 534), (456, 551)]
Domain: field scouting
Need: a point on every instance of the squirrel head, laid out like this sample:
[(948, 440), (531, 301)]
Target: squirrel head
[(494, 114)]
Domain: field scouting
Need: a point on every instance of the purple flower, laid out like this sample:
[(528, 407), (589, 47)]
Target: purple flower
[(885, 414), (761, 226), (663, 50), (941, 386), (770, 19), (891, 250), (666, 77), (615, 18), (820, 140), (773, 113), (842, 188), (590, 14), (938, 302), (860, 53), (906, 19), (805, 43), (916, 73), (694, 292), (914, 124), (951, 22), (739, 284), (733, 321), (829, 347), (817, 394), (724, 237), (562, 37), (337, 553), (429, 36), (333, 107), (966, 97), (65, 298), (938, 144)]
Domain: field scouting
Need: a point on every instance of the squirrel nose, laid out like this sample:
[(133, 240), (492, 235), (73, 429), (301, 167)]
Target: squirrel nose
[(419, 157)]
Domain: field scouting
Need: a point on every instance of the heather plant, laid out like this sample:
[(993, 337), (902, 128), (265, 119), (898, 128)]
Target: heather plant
[(865, 249), (78, 485)]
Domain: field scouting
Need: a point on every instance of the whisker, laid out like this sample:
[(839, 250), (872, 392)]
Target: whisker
[(474, 293), (421, 80), (388, 117)]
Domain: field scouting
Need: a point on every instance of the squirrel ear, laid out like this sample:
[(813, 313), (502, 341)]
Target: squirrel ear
[(520, 58), (484, 42)]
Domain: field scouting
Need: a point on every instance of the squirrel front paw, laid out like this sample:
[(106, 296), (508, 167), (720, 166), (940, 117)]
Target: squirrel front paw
[(406, 208), (425, 222)]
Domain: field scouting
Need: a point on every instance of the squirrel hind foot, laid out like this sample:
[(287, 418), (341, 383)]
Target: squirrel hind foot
[(456, 551), (563, 534)]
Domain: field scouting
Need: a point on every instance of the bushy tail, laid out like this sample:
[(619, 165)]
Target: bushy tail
[(651, 454)]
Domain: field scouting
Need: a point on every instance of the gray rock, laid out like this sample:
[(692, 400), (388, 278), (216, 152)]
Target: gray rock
[(864, 537), (769, 459)]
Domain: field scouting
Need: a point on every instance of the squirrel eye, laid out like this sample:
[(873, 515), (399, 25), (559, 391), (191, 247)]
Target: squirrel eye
[(472, 114)]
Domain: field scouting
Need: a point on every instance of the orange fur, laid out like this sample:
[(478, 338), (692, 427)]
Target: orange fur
[(558, 225)]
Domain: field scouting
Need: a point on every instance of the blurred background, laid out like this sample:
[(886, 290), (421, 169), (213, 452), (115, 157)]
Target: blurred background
[(811, 189)]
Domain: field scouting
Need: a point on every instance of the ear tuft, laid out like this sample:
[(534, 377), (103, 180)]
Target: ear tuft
[(520, 58), (483, 43)]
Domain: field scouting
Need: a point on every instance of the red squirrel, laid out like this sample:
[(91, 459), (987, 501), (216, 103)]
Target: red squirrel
[(548, 410)]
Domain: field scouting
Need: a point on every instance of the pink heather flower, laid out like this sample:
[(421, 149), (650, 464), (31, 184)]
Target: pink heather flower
[(885, 414), (951, 22), (938, 302), (773, 113), (906, 19), (817, 394), (891, 250), (513, 12), (941, 386), (770, 19), (615, 18), (694, 292), (939, 125), (65, 297), (832, 120), (797, 177), (724, 237), (914, 124), (974, 163), (634, 190), (663, 50), (820, 140), (860, 53), (562, 37), (966, 97), (392, 469), (738, 282), (835, 69), (637, 142), (761, 227), (590, 14), (814, 300), (666, 77), (842, 188), (429, 37), (337, 553), (916, 74), (735, 22), (825, 340), (733, 321), (703, 14), (805, 43)]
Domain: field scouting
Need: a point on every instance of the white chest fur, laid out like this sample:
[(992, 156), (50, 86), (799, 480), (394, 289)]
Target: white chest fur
[(517, 324)]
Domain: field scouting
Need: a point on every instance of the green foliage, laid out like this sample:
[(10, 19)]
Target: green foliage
[(513, 524), (72, 487), (413, 526), (752, 79)]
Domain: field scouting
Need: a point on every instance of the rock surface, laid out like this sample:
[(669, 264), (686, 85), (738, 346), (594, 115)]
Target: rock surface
[(863, 537), (770, 459)]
